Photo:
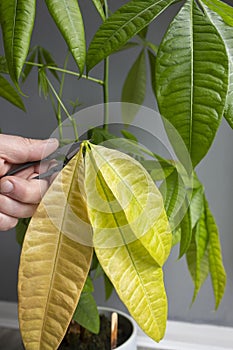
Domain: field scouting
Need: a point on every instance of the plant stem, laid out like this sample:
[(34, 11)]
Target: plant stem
[(106, 93), (58, 114), (106, 81), (64, 108), (98, 81)]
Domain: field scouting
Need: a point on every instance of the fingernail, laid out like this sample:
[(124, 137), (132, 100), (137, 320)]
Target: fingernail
[(7, 187)]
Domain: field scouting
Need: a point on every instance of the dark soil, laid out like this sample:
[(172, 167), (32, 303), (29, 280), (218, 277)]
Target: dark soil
[(81, 339)]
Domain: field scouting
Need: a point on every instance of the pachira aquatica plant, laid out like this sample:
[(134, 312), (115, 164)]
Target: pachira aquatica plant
[(124, 222)]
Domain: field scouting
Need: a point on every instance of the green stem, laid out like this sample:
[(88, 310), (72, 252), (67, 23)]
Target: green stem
[(58, 114), (106, 93), (64, 108), (98, 81), (106, 81)]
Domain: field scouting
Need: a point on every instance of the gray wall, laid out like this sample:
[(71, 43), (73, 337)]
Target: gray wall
[(215, 171)]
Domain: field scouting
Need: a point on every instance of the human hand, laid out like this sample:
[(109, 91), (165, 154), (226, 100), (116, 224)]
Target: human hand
[(20, 194)]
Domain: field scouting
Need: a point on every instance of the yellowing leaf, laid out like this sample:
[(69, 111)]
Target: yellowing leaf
[(135, 192), (118, 191), (53, 268)]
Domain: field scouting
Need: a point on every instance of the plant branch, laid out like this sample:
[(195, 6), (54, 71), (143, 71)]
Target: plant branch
[(106, 80), (64, 108), (58, 69)]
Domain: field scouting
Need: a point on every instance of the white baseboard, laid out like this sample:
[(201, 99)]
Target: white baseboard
[(179, 335), (189, 336)]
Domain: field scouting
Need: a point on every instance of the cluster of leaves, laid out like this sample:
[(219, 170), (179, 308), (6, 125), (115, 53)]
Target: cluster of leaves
[(131, 239), (192, 78)]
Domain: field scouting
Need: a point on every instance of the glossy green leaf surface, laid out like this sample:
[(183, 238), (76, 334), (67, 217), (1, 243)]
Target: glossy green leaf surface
[(192, 79), (128, 259), (99, 7), (174, 194), (134, 89), (50, 285), (126, 22), (68, 18), (3, 65), (186, 232), (196, 205), (86, 307), (226, 33), (197, 256), (223, 9), (17, 21), (204, 255), (217, 271), (9, 93)]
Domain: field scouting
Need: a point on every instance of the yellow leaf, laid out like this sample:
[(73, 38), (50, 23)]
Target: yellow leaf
[(53, 267), (118, 190), (133, 189)]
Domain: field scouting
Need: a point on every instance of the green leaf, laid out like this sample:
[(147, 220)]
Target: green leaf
[(99, 7), (217, 271), (174, 194), (99, 135), (223, 9), (17, 21), (108, 287), (143, 33), (151, 46), (3, 65), (192, 79), (128, 135), (21, 229), (9, 93), (68, 19), (43, 83), (158, 170), (128, 45), (28, 67), (197, 255), (134, 89), (226, 33), (185, 232), (86, 307), (152, 60), (196, 205), (123, 253), (49, 61), (204, 255), (125, 23)]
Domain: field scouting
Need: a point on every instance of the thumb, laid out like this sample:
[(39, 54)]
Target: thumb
[(17, 149)]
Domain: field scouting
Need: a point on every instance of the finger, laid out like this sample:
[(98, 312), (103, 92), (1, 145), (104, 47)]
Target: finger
[(12, 207), (7, 222), (26, 191), (16, 149)]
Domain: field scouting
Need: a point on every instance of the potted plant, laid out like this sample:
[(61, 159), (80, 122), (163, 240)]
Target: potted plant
[(191, 76)]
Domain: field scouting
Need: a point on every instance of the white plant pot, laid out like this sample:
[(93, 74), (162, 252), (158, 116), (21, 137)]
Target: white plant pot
[(128, 322)]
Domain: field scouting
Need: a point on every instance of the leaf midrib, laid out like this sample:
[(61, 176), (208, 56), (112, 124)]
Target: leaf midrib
[(126, 185), (125, 244), (59, 244)]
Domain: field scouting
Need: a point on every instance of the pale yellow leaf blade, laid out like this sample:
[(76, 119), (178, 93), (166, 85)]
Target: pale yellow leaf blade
[(135, 274), (53, 268), (134, 190), (138, 281)]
